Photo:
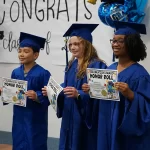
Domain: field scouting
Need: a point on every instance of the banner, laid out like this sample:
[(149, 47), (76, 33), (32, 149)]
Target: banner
[(46, 18)]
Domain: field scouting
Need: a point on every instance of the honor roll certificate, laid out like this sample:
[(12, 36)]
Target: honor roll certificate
[(13, 91), (101, 83), (53, 91)]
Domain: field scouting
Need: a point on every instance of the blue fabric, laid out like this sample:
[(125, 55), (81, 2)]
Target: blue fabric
[(127, 28), (125, 125), (30, 123), (131, 120), (32, 41), (81, 30), (125, 31), (97, 117), (84, 33), (74, 134)]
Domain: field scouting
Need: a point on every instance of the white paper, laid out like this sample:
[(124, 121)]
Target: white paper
[(101, 83), (13, 91), (53, 90)]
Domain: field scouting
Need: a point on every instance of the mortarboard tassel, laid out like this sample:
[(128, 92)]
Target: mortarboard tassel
[(66, 49), (113, 59)]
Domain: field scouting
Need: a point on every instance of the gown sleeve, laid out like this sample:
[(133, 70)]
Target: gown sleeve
[(44, 78), (60, 99), (136, 118), (89, 106), (60, 104), (13, 75)]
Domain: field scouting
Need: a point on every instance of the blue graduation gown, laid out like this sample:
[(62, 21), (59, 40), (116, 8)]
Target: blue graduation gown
[(130, 121), (124, 125), (30, 123), (74, 134), (97, 116)]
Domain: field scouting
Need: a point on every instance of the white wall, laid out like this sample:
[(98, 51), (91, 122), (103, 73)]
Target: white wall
[(101, 41)]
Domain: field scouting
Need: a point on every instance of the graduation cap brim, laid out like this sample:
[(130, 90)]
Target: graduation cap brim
[(139, 28), (29, 40), (77, 26)]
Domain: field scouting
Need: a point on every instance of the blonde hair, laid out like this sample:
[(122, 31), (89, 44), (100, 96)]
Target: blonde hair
[(89, 55)]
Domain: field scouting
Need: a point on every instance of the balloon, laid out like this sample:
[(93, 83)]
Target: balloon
[(103, 11), (130, 11)]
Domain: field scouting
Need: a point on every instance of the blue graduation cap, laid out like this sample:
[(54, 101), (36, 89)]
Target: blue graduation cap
[(82, 30), (127, 28), (29, 40)]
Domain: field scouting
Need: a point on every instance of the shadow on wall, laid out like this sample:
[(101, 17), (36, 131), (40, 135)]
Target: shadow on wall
[(146, 21), (5, 138)]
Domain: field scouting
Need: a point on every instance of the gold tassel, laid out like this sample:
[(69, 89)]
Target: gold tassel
[(92, 1)]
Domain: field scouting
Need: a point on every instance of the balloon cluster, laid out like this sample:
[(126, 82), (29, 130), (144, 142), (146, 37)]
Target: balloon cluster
[(121, 10)]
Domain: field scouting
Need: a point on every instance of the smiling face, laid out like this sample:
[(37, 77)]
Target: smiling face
[(26, 55), (118, 46), (76, 47)]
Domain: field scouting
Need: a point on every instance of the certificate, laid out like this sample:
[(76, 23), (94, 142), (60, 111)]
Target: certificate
[(101, 83), (53, 90), (13, 91)]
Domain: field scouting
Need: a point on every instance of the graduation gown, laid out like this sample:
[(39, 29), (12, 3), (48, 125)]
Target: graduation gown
[(74, 134), (97, 116), (30, 123), (130, 129), (125, 125)]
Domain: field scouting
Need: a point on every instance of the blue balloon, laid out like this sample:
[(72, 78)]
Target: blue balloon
[(103, 11), (130, 11)]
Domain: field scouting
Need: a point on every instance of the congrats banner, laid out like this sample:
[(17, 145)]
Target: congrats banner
[(46, 18)]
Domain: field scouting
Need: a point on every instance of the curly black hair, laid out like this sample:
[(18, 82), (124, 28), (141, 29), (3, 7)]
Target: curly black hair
[(135, 47)]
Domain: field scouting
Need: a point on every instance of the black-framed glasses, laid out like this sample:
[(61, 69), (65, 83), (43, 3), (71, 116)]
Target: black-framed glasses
[(112, 41)]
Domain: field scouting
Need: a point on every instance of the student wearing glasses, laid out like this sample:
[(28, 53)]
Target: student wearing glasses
[(125, 124)]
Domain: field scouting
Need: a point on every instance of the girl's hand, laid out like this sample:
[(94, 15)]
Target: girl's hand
[(71, 92), (0, 91), (31, 94), (85, 88), (125, 90), (44, 91)]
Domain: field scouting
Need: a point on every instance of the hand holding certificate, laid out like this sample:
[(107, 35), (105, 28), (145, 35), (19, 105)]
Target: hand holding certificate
[(13, 91), (101, 82)]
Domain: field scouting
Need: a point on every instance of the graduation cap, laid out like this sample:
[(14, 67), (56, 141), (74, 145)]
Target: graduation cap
[(127, 28), (29, 40), (82, 30)]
